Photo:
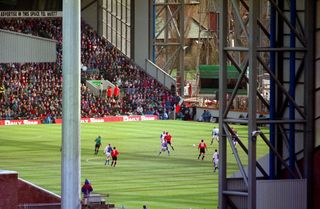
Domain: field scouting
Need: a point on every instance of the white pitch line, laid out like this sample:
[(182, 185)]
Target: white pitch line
[(90, 160)]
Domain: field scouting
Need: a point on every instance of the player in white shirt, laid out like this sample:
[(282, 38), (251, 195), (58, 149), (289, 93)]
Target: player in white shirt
[(234, 140), (215, 135), (107, 152), (215, 160), (162, 137)]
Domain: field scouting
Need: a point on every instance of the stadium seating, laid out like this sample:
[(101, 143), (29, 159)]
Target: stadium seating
[(34, 90)]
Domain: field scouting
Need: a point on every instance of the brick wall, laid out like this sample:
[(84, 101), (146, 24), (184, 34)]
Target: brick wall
[(15, 191)]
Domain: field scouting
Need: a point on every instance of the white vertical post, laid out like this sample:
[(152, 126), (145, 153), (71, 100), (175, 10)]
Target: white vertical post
[(70, 169)]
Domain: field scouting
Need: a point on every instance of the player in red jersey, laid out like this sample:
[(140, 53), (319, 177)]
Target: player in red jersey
[(202, 147), (114, 155), (116, 92), (168, 138)]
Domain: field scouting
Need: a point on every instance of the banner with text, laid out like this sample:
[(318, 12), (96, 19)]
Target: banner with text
[(84, 120), (26, 14), (115, 119), (19, 122)]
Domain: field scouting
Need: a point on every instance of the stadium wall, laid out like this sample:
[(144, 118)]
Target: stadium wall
[(141, 31), (17, 192), (232, 114), (89, 13), (30, 193), (8, 189), (21, 48)]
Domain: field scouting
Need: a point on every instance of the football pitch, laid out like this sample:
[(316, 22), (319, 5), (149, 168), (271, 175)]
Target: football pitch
[(178, 181)]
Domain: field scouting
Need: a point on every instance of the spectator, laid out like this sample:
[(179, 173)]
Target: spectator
[(206, 116), (86, 190), (116, 92), (194, 112), (139, 110), (109, 92), (34, 90), (173, 90), (1, 92), (165, 116)]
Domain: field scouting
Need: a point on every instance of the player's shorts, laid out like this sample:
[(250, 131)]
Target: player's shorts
[(98, 145), (164, 148), (202, 150), (114, 158), (169, 142), (108, 154)]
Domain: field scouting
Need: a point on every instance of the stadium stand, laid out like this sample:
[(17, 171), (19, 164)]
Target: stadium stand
[(34, 90)]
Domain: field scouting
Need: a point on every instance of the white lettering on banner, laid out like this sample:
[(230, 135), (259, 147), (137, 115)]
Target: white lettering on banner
[(30, 14), (28, 122), (84, 121), (96, 120), (10, 123), (126, 118), (9, 14), (147, 118)]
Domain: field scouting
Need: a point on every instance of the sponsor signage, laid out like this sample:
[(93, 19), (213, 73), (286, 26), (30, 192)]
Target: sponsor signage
[(19, 122), (84, 120), (25, 14), (115, 119)]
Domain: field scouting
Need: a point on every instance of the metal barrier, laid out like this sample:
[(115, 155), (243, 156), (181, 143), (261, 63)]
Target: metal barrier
[(40, 206)]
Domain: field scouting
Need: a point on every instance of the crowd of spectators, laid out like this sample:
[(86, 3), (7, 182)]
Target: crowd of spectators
[(205, 116), (34, 90)]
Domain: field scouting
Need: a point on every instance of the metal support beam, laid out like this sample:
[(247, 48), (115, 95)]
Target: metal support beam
[(252, 125), (88, 5), (245, 121), (235, 90), (236, 193), (223, 34), (244, 148), (233, 61), (166, 24), (283, 88), (285, 19), (236, 155), (292, 85), (268, 49), (278, 155), (298, 76), (172, 48), (261, 25), (280, 86), (230, 202), (182, 48), (70, 171), (236, 7), (309, 98)]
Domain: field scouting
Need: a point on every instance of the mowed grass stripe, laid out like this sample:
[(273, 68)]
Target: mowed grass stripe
[(141, 176)]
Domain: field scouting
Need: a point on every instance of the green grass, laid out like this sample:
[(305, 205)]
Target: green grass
[(141, 176)]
